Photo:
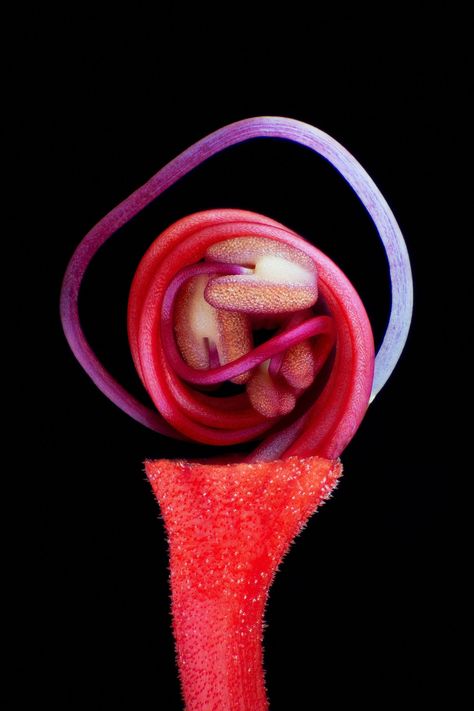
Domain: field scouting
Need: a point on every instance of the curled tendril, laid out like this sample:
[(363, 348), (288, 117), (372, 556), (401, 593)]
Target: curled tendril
[(211, 280)]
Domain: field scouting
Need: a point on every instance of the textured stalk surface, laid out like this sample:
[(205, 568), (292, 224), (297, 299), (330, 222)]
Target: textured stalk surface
[(228, 528)]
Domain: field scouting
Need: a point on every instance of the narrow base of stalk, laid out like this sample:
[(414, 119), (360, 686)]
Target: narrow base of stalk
[(229, 527)]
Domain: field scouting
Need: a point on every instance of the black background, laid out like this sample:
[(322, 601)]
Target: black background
[(367, 607)]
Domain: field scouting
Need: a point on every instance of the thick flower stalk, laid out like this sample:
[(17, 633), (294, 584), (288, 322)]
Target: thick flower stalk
[(228, 528), (242, 332)]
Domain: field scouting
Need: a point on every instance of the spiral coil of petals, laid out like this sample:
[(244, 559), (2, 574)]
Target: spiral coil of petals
[(199, 292), (306, 389)]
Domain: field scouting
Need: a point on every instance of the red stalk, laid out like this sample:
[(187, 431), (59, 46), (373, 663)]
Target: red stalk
[(228, 528)]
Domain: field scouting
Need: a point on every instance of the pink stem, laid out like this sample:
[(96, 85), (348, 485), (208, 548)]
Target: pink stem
[(278, 344)]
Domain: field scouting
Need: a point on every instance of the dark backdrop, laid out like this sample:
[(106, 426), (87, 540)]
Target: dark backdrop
[(362, 611)]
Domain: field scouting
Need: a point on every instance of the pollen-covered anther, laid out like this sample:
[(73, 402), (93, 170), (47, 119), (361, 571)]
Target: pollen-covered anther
[(284, 279), (235, 339), (298, 365), (195, 323), (270, 396), (199, 327)]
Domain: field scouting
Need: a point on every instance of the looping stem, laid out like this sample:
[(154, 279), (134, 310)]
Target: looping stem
[(347, 403), (175, 255)]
